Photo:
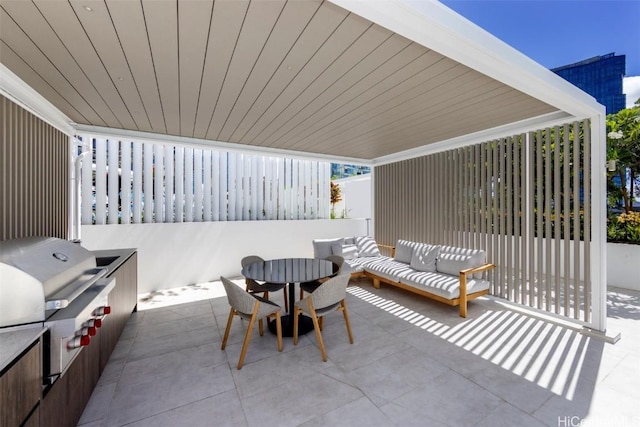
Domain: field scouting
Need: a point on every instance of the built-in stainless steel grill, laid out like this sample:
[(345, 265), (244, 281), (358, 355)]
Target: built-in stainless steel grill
[(57, 283)]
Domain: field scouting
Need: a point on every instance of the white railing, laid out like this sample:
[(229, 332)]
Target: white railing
[(143, 182)]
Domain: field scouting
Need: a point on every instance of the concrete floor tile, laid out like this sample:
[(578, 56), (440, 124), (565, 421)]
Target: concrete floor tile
[(414, 362)]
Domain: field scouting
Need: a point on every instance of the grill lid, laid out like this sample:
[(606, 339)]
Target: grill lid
[(42, 273)]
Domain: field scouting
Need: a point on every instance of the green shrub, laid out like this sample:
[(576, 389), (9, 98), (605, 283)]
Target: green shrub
[(624, 228)]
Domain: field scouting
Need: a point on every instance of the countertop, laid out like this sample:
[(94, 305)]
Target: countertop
[(17, 339), (115, 257)]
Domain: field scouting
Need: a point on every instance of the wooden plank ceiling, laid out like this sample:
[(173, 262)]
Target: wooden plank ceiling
[(301, 75)]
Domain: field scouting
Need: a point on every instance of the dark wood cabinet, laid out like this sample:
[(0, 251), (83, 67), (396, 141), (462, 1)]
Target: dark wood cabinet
[(64, 402), (123, 300), (20, 388)]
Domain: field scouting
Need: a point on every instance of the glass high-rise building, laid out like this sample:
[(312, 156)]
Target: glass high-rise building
[(601, 77)]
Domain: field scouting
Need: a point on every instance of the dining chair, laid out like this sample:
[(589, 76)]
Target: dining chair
[(309, 287), (249, 307), (255, 287), (327, 297)]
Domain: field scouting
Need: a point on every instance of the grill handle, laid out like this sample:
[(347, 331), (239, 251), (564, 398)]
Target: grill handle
[(69, 293)]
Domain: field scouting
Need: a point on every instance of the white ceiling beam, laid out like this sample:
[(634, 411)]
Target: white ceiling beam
[(14, 88)]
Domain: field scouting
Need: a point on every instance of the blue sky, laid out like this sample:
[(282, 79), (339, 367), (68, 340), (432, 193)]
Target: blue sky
[(556, 33)]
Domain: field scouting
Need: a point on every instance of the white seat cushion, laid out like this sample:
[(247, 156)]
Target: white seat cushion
[(441, 284), (388, 268), (355, 265)]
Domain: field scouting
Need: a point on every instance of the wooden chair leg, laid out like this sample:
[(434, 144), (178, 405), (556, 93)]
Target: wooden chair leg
[(279, 330), (343, 303), (316, 327), (228, 328), (247, 336), (260, 327), (296, 311), (321, 323)]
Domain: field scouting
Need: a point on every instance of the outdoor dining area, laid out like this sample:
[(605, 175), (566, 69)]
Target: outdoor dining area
[(274, 275)]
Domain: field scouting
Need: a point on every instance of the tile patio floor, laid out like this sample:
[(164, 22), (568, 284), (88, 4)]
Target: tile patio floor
[(414, 363)]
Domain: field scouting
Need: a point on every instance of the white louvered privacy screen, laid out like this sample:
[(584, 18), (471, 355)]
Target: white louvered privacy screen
[(169, 183), (524, 199)]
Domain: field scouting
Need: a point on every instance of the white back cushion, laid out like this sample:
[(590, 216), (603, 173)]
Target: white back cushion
[(424, 258), (322, 247), (367, 246)]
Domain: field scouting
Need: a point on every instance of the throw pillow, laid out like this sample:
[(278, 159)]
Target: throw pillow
[(404, 250), (424, 257), (345, 251), (367, 246)]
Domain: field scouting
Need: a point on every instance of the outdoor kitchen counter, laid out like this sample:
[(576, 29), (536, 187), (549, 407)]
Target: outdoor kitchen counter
[(112, 258), (15, 341)]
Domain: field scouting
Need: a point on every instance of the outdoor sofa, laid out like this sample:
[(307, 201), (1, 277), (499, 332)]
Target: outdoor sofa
[(447, 274)]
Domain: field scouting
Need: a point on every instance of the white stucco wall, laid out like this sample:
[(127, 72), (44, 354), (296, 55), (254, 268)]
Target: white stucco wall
[(356, 196), (623, 266), (172, 255)]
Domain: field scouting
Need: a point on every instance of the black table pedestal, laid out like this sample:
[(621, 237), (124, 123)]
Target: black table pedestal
[(305, 325)]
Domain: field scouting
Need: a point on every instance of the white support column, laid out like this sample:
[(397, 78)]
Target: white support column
[(598, 259)]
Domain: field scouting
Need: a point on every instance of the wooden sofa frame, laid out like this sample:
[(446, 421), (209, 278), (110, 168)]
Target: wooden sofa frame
[(461, 301)]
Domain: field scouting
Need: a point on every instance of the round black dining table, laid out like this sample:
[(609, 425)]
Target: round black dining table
[(291, 271)]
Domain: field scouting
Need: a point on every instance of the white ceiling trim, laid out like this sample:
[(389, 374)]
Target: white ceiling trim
[(15, 89), (98, 131), (535, 123), (444, 31)]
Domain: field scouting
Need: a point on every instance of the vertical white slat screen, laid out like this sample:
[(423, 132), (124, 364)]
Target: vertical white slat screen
[(179, 185), (169, 187), (137, 165), (524, 199), (206, 185), (148, 184), (86, 179), (223, 186), (101, 182), (158, 180), (215, 186), (197, 185), (188, 184), (126, 181), (166, 183), (113, 205)]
